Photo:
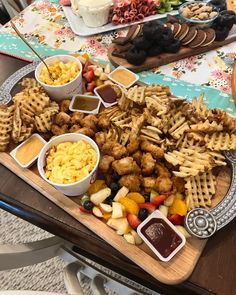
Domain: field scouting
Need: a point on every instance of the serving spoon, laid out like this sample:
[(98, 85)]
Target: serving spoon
[(34, 51)]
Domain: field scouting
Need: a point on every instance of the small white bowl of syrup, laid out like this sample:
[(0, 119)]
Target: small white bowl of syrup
[(85, 104)]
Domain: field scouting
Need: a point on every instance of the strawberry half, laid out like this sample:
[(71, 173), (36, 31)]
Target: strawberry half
[(149, 206), (91, 86), (86, 65), (133, 220), (158, 200), (176, 219), (89, 75)]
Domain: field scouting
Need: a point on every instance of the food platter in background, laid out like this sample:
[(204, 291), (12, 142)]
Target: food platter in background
[(79, 28)]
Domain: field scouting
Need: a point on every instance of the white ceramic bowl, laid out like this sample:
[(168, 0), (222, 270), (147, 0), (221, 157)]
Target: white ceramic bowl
[(78, 187), (60, 92)]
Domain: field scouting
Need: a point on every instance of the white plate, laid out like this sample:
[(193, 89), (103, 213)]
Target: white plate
[(79, 28)]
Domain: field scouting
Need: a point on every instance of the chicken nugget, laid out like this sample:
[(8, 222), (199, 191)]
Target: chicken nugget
[(74, 128), (59, 130), (155, 150), (163, 184), (161, 170), (89, 121), (126, 165), (104, 121), (107, 146), (105, 163), (148, 183), (119, 151), (76, 117), (86, 131), (147, 164), (131, 181), (100, 138), (133, 146), (64, 105), (62, 118), (178, 184), (138, 157)]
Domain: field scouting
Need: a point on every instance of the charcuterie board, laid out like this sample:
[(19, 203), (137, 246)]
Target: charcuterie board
[(166, 58), (178, 268)]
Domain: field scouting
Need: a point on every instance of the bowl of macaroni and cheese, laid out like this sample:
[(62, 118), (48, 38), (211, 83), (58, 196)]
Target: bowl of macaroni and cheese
[(69, 162), (64, 79)]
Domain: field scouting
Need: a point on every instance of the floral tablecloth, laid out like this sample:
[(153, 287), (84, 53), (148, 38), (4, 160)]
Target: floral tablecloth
[(44, 24)]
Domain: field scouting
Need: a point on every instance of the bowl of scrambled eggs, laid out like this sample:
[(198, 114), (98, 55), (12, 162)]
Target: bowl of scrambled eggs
[(64, 79), (69, 162)]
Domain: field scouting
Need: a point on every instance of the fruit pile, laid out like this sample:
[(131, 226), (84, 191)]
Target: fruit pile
[(94, 75), (124, 211)]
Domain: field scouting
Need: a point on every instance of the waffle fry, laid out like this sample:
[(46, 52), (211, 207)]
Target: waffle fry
[(29, 83), (177, 125), (220, 141), (43, 122), (25, 133), (190, 161), (151, 133), (137, 94), (154, 105), (6, 122), (199, 190), (206, 126), (17, 123), (121, 120)]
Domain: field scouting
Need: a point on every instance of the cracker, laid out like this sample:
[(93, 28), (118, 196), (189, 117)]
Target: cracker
[(199, 190)]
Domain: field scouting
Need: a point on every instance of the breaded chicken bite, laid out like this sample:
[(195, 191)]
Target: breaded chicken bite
[(133, 146), (126, 165), (148, 183), (138, 157), (178, 184), (155, 150), (119, 151), (131, 181), (62, 118), (100, 138), (147, 164), (64, 105), (86, 131), (59, 130), (90, 121), (74, 128), (161, 170), (104, 121), (77, 117), (163, 184), (105, 163)]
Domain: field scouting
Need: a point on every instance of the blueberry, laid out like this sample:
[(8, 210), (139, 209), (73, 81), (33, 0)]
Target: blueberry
[(143, 214), (114, 186), (115, 176), (109, 200), (88, 205), (147, 197)]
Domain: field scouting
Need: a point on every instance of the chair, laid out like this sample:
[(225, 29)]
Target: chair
[(20, 255), (13, 7)]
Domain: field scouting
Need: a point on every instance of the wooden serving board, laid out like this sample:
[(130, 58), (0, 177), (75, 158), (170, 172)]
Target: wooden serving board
[(173, 272), (166, 58)]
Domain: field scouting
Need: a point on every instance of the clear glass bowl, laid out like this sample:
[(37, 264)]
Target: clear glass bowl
[(198, 23)]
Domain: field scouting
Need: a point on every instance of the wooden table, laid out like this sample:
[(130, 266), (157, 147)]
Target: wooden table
[(214, 273)]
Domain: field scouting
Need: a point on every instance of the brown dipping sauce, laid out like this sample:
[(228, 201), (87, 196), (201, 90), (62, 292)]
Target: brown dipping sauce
[(85, 103), (107, 93), (161, 236)]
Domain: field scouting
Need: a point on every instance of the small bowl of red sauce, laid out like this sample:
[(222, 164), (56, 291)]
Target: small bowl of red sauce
[(109, 94), (161, 236)]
